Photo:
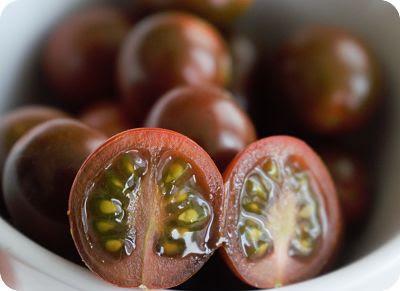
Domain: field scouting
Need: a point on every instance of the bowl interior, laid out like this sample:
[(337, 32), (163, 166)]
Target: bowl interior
[(24, 25)]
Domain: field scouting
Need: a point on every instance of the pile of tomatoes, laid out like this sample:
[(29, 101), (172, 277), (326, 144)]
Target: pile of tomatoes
[(156, 147)]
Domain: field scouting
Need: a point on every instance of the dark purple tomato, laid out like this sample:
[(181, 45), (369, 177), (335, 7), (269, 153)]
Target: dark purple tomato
[(107, 117), (353, 186), (221, 12), (38, 176), (167, 50), (80, 54), (146, 209), (330, 78), (208, 115), (14, 125), (283, 219)]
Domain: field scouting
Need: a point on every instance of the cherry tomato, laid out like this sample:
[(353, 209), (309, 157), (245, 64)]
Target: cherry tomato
[(331, 79), (13, 126), (145, 209), (80, 54), (106, 117), (167, 50), (38, 176), (283, 216), (208, 115)]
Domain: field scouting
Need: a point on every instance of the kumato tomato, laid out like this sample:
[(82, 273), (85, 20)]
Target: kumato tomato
[(107, 117), (14, 125), (38, 176), (222, 12), (167, 50), (80, 54), (146, 209), (330, 78), (350, 176), (283, 216), (208, 115)]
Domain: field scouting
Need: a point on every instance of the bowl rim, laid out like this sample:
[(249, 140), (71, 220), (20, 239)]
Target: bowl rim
[(33, 255)]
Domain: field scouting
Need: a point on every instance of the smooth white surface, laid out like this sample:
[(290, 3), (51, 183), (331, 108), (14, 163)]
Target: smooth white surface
[(23, 26)]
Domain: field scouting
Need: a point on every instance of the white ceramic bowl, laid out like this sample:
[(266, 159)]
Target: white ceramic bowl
[(375, 261)]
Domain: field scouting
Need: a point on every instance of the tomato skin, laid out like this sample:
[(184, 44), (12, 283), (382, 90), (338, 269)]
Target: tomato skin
[(293, 271), (38, 175), (222, 13), (167, 50), (13, 126), (209, 116), (80, 54), (155, 141), (106, 117), (351, 179), (330, 79)]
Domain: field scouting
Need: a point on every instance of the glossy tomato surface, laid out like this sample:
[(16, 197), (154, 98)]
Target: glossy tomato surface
[(283, 216), (14, 125), (107, 117), (208, 115), (166, 50), (331, 79), (38, 176), (80, 54), (146, 209)]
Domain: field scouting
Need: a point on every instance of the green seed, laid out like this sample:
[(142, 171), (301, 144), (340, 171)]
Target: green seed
[(179, 197), (107, 207), (271, 169), (175, 171), (254, 188), (171, 248), (129, 168), (253, 207), (260, 250), (113, 245), (116, 182), (306, 211), (189, 216), (105, 226)]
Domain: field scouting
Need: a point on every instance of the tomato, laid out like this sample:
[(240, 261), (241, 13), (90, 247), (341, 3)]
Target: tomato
[(13, 126), (208, 115), (145, 209), (283, 216), (330, 78), (80, 54), (167, 50), (38, 176), (107, 117)]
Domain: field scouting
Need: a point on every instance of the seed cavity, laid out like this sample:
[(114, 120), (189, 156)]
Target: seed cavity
[(188, 214), (265, 195), (109, 204), (256, 241)]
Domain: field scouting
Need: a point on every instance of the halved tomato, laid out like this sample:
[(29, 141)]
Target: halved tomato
[(283, 221), (146, 209)]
